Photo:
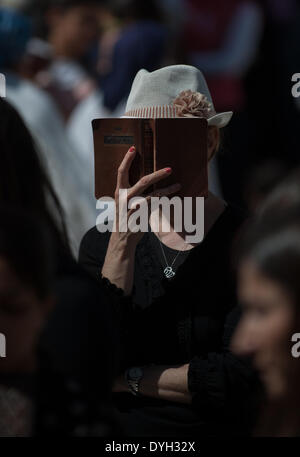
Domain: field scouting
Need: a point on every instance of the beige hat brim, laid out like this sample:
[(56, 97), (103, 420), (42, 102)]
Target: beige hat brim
[(221, 119)]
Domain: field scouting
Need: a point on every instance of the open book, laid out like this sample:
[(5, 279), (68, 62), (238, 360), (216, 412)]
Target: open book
[(179, 143)]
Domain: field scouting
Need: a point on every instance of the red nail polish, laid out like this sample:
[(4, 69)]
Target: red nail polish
[(168, 170), (132, 149)]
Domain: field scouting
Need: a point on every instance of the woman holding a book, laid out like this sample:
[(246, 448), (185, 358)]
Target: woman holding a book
[(174, 301)]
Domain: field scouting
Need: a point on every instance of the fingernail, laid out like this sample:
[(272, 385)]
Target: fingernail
[(132, 149), (168, 170)]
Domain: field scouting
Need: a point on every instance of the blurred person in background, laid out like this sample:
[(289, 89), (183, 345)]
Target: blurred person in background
[(71, 28), (24, 182), (269, 291), (222, 39), (36, 55), (134, 36), (72, 182), (268, 271), (140, 44), (174, 17), (26, 298), (76, 346)]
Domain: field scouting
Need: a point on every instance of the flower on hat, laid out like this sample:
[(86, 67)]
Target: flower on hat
[(193, 104)]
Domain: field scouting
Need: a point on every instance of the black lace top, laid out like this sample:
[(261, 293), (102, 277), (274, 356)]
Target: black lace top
[(187, 319)]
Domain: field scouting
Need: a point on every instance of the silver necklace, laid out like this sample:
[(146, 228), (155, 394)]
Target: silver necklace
[(168, 271)]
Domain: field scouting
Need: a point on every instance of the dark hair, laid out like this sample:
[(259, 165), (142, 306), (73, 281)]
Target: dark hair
[(23, 181), (274, 247), (272, 241), (273, 244), (264, 178), (26, 245), (285, 197)]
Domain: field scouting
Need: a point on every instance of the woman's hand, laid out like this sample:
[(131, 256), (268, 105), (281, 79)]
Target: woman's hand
[(119, 261), (132, 238)]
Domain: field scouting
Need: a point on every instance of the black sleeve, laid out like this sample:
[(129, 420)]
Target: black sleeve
[(92, 254), (91, 257), (76, 363), (221, 383), (92, 251)]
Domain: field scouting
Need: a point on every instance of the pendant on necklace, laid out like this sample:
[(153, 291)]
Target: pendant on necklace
[(169, 272)]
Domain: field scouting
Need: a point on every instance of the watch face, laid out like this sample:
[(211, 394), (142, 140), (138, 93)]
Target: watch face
[(135, 373)]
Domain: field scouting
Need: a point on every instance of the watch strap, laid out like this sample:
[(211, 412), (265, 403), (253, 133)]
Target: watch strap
[(133, 384)]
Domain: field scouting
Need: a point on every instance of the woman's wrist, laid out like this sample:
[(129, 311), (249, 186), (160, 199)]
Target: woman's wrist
[(118, 267), (121, 247)]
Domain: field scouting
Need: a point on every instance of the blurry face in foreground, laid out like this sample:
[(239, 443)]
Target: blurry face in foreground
[(73, 31), (265, 329), (21, 318)]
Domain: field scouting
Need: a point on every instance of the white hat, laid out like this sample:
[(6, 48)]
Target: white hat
[(153, 95)]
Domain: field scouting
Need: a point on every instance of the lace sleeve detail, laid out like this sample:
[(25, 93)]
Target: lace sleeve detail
[(115, 292)]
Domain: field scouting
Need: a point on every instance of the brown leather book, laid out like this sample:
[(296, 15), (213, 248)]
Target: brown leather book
[(177, 143)]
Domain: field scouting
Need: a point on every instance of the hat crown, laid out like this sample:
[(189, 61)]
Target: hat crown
[(153, 95), (162, 87)]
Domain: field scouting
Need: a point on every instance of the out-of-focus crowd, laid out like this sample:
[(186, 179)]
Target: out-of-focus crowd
[(67, 62)]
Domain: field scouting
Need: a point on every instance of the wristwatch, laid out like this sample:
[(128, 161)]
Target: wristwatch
[(133, 377)]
